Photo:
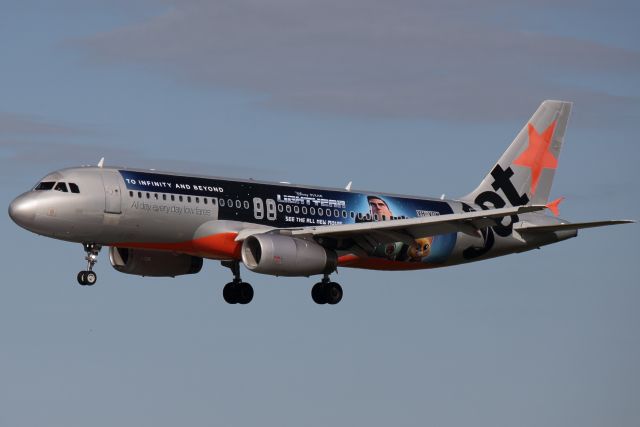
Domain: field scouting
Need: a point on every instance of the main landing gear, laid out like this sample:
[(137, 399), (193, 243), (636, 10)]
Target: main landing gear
[(326, 292), (89, 277), (237, 291)]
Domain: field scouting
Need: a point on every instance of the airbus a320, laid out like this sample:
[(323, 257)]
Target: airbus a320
[(164, 224)]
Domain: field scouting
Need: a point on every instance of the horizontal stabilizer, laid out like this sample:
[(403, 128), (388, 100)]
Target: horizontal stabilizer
[(569, 226)]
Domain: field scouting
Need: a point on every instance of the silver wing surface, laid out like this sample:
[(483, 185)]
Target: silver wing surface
[(407, 230)]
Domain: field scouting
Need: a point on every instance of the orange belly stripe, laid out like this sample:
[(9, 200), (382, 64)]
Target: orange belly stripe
[(217, 246)]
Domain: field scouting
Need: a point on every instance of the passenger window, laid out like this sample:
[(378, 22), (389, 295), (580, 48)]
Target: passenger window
[(180, 198), (246, 204), (164, 197), (156, 195), (74, 188), (344, 214), (280, 208), (197, 199), (61, 186), (238, 204), (173, 198), (222, 202), (147, 195), (205, 200), (139, 195), (130, 192), (213, 201), (312, 210), (189, 199), (336, 213), (304, 210), (288, 208), (45, 185), (296, 209)]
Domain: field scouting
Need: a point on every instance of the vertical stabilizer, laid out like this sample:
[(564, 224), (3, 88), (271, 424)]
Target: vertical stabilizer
[(525, 172)]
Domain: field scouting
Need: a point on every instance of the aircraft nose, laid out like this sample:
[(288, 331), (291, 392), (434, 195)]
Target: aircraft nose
[(22, 211)]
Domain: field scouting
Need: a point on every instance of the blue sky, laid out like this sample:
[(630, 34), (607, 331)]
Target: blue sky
[(405, 96)]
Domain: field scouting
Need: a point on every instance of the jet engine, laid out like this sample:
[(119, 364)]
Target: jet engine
[(280, 255), (144, 262)]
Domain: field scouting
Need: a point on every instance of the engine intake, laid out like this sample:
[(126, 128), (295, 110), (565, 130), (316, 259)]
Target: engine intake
[(144, 262), (286, 256)]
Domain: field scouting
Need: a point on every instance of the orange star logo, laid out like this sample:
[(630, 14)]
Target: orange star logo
[(537, 155)]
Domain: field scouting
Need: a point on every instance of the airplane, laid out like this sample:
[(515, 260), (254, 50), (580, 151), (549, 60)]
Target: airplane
[(164, 224)]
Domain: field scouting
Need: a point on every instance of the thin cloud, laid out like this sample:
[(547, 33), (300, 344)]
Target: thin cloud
[(448, 59), (12, 123), (30, 159)]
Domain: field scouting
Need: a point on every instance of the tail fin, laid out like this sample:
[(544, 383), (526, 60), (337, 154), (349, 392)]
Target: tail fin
[(525, 171)]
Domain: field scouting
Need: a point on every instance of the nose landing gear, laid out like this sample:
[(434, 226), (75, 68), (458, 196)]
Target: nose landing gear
[(88, 277), (237, 291), (326, 292)]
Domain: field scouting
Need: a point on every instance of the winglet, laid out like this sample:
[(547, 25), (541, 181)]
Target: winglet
[(101, 162), (348, 187), (554, 206)]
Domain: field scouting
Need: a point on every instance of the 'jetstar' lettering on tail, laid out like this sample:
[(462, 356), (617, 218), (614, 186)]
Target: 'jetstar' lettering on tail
[(492, 200)]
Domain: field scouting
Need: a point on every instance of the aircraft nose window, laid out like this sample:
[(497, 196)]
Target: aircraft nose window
[(74, 187), (61, 186), (45, 185)]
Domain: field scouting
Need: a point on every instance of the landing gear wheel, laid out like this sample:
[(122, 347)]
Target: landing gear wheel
[(326, 292), (244, 293), (90, 278), (82, 278), (230, 293), (318, 293), (332, 293), (237, 293)]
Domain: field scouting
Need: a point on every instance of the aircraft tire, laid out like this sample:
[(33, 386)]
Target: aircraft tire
[(90, 278), (333, 293), (230, 293), (81, 278), (244, 292), (318, 293)]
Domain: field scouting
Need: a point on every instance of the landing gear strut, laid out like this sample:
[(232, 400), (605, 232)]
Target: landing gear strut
[(237, 291), (88, 277), (326, 292)]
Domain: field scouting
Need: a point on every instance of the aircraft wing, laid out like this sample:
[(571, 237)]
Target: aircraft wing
[(406, 230)]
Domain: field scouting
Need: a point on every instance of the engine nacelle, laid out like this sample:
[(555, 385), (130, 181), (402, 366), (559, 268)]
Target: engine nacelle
[(143, 262), (286, 256)]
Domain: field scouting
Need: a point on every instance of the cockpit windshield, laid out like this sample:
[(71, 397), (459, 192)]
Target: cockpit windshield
[(59, 186), (45, 185)]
